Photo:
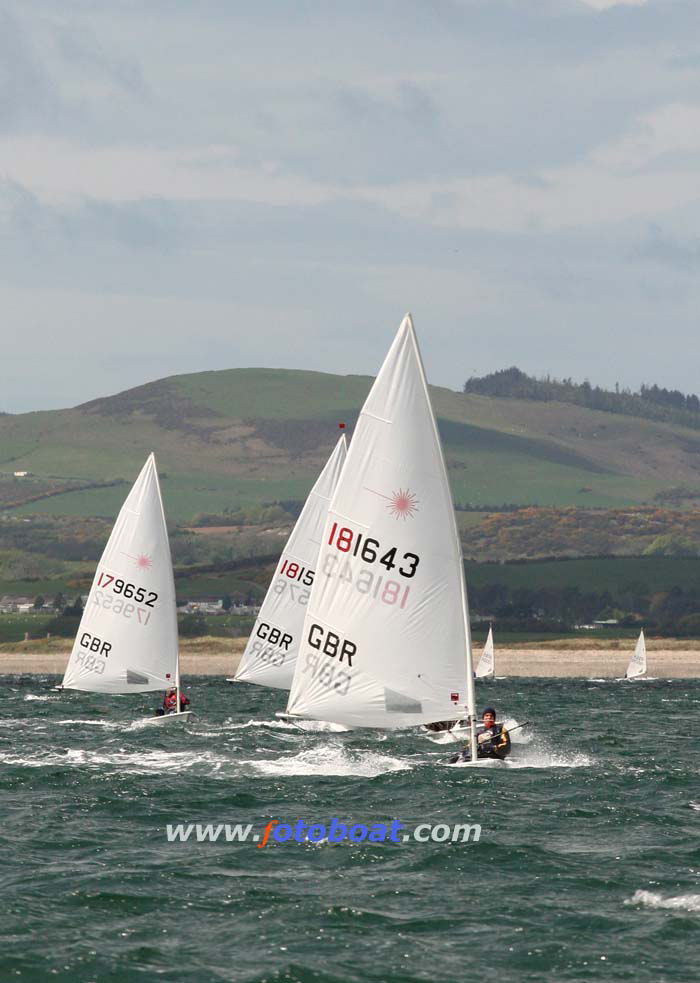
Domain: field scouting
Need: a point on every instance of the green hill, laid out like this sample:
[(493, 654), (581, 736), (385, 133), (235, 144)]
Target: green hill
[(242, 437)]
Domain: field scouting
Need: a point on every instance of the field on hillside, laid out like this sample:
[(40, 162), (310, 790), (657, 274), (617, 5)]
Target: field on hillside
[(184, 496), (251, 436)]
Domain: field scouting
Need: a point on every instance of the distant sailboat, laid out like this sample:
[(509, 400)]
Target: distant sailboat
[(127, 641), (638, 663), (486, 668), (273, 645), (386, 638)]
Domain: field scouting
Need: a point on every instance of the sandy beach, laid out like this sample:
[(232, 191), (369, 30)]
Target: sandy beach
[(667, 658)]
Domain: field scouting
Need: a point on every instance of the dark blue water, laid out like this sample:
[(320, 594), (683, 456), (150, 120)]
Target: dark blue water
[(588, 865)]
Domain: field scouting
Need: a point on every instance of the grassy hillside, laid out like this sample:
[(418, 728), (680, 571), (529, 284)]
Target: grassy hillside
[(246, 436), (647, 574)]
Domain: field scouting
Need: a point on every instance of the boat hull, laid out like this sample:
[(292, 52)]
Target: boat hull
[(168, 718)]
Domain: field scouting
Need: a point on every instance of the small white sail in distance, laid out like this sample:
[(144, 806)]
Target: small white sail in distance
[(386, 633), (487, 662), (273, 645), (638, 663), (127, 641)]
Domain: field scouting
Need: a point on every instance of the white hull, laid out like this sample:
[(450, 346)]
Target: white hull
[(168, 718), (479, 763)]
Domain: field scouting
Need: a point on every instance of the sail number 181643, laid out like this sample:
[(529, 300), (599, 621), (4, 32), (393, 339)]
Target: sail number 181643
[(368, 549)]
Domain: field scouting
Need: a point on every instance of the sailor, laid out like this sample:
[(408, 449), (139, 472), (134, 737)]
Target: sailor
[(493, 741), (170, 702)]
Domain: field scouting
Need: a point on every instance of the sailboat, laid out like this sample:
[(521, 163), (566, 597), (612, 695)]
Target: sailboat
[(486, 668), (272, 648), (127, 641), (637, 665), (386, 639)]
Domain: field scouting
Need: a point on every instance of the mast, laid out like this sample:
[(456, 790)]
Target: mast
[(170, 558), (470, 705)]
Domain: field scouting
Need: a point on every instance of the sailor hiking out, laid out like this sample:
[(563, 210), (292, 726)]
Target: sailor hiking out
[(493, 740)]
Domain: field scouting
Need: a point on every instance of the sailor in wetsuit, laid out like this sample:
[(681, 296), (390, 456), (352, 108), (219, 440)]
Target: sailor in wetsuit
[(493, 741)]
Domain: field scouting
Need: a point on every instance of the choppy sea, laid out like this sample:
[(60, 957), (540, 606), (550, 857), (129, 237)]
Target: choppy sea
[(587, 867)]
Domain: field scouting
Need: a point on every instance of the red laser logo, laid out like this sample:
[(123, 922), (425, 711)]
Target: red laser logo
[(403, 504)]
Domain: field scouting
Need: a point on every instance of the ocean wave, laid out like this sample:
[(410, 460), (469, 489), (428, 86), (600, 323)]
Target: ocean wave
[(137, 762), (108, 724), (650, 899), (272, 724), (43, 698), (545, 759), (311, 726), (330, 760)]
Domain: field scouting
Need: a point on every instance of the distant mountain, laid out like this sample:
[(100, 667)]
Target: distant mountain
[(247, 436)]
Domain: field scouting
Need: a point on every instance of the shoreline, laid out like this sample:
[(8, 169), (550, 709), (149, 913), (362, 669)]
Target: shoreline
[(667, 661)]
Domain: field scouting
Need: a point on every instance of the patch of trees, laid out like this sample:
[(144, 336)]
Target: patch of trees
[(651, 402), (675, 612)]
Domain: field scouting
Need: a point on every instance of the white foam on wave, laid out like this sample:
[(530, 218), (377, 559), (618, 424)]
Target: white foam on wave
[(543, 759), (108, 724), (42, 698), (137, 762), (272, 724), (321, 727), (695, 806), (650, 899), (313, 726), (330, 760)]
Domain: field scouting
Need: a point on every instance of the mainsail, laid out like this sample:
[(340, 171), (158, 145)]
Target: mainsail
[(386, 633), (273, 645), (638, 663), (127, 640), (487, 662)]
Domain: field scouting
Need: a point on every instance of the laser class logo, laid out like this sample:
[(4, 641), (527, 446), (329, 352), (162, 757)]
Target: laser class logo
[(144, 562), (403, 504)]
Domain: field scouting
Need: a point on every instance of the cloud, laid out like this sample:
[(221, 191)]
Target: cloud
[(26, 95), (607, 4), (661, 247), (192, 186)]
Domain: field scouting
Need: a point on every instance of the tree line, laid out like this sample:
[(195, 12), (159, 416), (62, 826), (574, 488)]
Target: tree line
[(652, 402), (674, 612)]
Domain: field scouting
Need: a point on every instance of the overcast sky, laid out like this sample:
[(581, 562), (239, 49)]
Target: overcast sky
[(205, 184)]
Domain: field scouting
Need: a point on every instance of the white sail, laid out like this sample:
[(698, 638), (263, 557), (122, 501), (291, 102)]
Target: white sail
[(386, 633), (127, 641), (487, 662), (273, 645), (638, 663)]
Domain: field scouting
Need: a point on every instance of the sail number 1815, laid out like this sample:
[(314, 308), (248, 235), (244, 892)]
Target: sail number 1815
[(368, 549)]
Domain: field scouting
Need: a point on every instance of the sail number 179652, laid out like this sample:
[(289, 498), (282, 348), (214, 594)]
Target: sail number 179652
[(123, 587)]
